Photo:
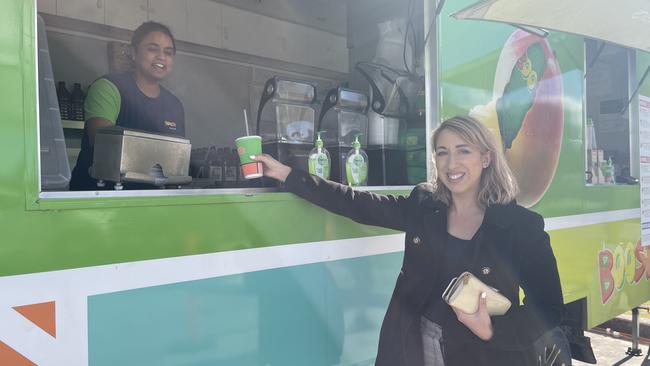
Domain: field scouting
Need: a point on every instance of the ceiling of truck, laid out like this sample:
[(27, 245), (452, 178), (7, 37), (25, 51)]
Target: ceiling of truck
[(328, 15)]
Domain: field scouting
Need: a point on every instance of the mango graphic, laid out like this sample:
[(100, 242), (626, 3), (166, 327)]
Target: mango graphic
[(526, 112)]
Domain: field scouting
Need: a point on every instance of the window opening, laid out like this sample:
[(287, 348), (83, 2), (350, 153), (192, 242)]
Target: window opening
[(607, 127), (264, 68)]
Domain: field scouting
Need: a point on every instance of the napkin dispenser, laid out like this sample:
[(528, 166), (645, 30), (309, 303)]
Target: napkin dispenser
[(123, 155)]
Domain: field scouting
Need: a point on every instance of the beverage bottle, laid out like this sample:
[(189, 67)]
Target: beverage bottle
[(319, 159), (238, 173), (215, 170), (77, 103), (593, 163), (356, 165), (591, 135), (63, 96), (196, 164), (231, 168), (608, 171), (421, 106), (203, 170), (223, 159)]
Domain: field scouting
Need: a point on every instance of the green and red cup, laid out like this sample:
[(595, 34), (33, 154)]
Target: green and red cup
[(247, 146)]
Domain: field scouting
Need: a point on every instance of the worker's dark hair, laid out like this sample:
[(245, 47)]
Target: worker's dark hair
[(147, 27)]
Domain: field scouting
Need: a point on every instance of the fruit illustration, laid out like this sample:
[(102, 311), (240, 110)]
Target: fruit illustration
[(526, 112)]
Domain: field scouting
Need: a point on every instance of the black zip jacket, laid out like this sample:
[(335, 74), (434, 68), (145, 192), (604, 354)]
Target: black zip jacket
[(514, 251)]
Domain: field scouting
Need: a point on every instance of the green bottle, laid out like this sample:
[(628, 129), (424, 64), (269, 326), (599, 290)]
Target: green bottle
[(608, 171), (356, 165), (319, 159)]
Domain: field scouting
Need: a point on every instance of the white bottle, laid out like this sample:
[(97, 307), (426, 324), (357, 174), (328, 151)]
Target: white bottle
[(590, 135)]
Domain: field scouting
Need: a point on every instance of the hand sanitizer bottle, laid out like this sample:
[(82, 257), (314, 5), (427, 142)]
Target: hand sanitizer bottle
[(356, 165), (319, 159), (608, 171)]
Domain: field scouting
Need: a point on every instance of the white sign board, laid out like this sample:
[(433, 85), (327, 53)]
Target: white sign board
[(644, 151)]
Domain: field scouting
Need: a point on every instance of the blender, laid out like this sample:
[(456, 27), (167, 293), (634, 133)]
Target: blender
[(285, 120), (393, 95), (342, 118)]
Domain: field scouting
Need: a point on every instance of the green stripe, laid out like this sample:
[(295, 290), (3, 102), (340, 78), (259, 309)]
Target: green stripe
[(89, 237)]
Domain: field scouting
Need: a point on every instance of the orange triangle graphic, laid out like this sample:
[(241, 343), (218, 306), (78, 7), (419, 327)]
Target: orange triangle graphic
[(9, 357), (43, 315)]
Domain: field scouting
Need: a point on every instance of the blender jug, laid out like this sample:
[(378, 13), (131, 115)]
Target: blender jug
[(342, 118), (393, 94)]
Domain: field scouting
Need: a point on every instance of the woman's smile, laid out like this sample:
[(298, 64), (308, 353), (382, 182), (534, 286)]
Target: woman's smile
[(154, 57), (455, 177), (458, 163)]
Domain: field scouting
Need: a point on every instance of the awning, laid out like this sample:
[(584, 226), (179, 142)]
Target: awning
[(625, 22)]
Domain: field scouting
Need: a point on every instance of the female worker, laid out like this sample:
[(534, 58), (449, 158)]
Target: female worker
[(134, 99), (466, 220)]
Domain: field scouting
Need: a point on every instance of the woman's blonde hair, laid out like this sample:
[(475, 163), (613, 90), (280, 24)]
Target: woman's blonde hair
[(497, 185)]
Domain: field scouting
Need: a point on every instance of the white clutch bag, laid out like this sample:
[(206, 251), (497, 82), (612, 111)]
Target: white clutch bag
[(463, 293)]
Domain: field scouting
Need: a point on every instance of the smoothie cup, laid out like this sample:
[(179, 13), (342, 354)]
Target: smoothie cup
[(247, 146)]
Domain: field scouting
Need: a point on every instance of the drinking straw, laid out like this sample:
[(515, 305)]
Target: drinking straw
[(246, 122)]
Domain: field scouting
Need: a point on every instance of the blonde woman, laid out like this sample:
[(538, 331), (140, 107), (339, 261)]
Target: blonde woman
[(465, 220)]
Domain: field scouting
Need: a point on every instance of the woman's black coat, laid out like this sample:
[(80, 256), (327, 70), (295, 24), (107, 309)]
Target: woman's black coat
[(514, 251)]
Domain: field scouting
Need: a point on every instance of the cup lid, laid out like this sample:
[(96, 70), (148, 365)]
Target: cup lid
[(248, 137)]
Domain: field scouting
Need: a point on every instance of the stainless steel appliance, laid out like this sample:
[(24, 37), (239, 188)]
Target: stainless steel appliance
[(122, 155)]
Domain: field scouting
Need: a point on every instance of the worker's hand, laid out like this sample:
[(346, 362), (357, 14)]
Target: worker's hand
[(273, 168), (479, 322)]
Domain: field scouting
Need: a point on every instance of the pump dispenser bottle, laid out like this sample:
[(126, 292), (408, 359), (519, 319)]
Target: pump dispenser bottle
[(608, 171), (319, 159), (356, 165)]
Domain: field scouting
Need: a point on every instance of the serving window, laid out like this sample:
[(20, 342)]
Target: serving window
[(609, 142), (291, 73)]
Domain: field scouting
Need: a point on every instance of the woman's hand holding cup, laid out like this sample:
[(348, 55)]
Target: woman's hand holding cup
[(273, 168)]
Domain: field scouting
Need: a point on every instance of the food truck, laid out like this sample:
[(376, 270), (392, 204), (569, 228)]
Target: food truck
[(205, 267)]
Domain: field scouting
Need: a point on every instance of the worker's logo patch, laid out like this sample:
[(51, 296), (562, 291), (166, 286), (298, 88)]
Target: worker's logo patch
[(486, 270), (171, 125)]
